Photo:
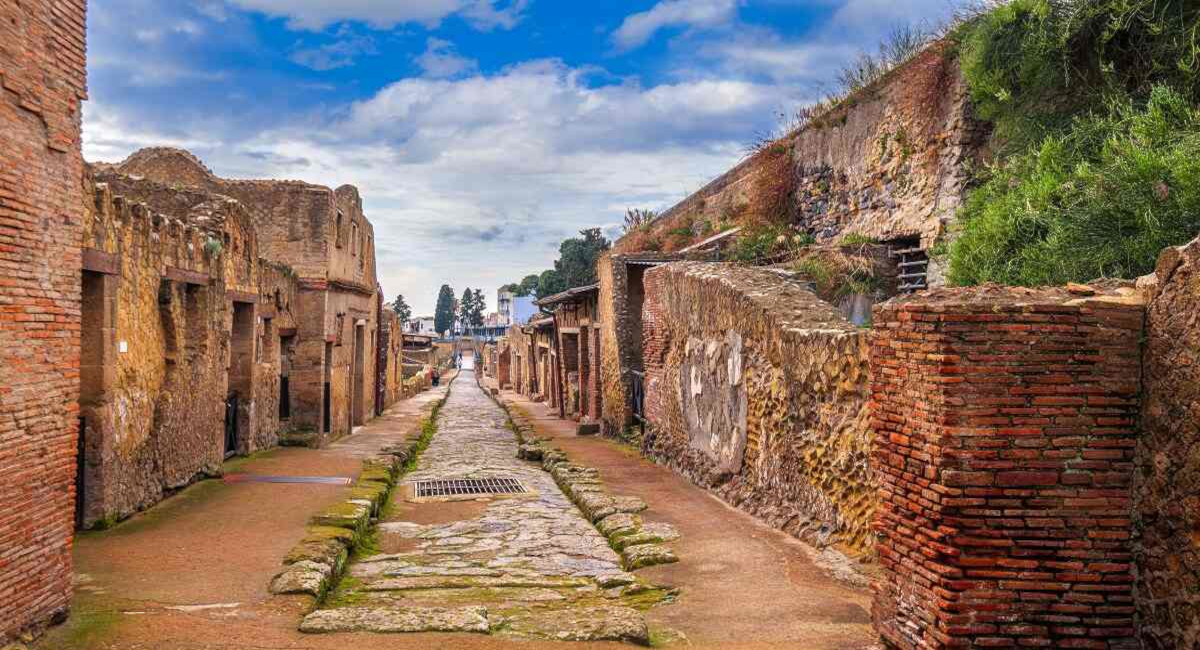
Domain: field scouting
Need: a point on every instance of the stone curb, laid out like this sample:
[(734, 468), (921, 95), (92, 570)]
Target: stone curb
[(640, 545), (316, 562)]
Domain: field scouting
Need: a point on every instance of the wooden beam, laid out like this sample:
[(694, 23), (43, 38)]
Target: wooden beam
[(99, 261), (241, 296), (176, 274)]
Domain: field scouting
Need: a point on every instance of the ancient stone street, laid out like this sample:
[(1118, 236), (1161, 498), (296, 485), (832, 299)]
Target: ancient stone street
[(647, 327), (525, 564)]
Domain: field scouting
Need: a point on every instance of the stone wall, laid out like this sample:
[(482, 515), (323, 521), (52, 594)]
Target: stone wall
[(182, 319), (276, 351), (761, 396), (1005, 422), (323, 235), (391, 359), (889, 162), (42, 83), (1167, 512), (619, 310)]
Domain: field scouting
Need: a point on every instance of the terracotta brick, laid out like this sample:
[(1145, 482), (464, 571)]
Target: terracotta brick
[(41, 221), (1031, 505)]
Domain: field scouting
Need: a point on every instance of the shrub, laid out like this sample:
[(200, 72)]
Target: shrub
[(1033, 65), (760, 244), (1093, 104), (1101, 200)]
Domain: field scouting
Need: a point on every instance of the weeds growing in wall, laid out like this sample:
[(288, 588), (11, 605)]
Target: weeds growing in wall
[(1093, 104)]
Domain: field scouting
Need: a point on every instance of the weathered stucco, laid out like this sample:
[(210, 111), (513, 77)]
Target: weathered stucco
[(760, 396), (324, 236)]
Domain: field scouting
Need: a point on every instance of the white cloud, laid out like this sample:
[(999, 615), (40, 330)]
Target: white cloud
[(441, 60), (315, 15), (340, 53), (498, 168), (639, 28)]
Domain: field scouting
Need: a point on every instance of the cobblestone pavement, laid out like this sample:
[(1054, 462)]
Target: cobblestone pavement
[(523, 565)]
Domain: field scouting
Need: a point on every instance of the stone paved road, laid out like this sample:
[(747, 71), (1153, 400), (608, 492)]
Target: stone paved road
[(525, 565)]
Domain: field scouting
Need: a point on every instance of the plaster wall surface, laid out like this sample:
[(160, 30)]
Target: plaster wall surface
[(761, 396)]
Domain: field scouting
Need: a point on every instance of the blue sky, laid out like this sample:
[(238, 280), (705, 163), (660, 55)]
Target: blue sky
[(481, 132)]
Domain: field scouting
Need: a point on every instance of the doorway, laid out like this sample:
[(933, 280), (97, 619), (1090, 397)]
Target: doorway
[(357, 372), (96, 367), (241, 368), (327, 403)]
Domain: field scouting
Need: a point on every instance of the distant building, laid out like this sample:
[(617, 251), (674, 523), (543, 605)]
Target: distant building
[(513, 309), (422, 325)]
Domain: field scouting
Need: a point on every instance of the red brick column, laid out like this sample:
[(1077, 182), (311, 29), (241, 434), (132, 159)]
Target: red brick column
[(594, 388), (41, 229), (1004, 432), (654, 346)]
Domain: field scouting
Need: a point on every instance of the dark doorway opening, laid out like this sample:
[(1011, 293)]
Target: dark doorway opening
[(287, 345), (241, 368), (97, 340), (231, 426), (80, 474), (327, 404), (357, 407)]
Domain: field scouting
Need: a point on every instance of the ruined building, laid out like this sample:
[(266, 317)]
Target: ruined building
[(890, 164), (323, 236), (1018, 465), (42, 83), (187, 339)]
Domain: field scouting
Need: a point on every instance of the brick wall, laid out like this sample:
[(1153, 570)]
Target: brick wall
[(761, 397), (42, 82), (1004, 427)]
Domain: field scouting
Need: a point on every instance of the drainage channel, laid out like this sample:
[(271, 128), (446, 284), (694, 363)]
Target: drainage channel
[(468, 487), (265, 478)]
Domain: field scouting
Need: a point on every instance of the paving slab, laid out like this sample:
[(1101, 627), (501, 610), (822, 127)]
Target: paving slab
[(741, 583), (529, 564)]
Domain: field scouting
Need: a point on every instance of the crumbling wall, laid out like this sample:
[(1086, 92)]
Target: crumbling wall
[(614, 336), (888, 162), (391, 358), (295, 221), (275, 352), (153, 403), (761, 396), (324, 236), (619, 310), (1167, 512), (42, 82), (1004, 423)]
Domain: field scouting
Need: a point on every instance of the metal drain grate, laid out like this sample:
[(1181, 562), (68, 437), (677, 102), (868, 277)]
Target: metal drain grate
[(468, 487)]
